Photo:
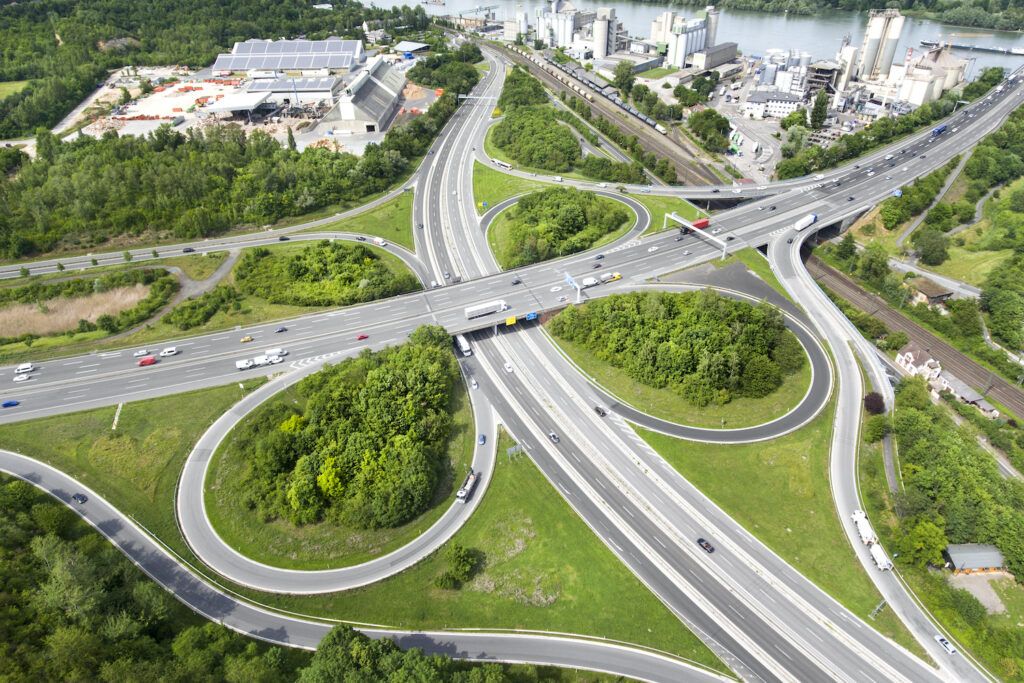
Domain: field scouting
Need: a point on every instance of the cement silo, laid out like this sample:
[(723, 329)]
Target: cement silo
[(888, 48), (880, 39), (712, 26)]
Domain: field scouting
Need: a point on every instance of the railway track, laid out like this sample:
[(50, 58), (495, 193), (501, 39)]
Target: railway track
[(661, 145), (978, 376)]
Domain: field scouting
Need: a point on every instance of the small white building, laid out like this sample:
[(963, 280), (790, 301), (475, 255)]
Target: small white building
[(918, 362), (763, 104)]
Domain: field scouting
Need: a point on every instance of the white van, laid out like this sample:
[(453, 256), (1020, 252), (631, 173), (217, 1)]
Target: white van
[(558, 178), (276, 352), (243, 364), (23, 368), (260, 361)]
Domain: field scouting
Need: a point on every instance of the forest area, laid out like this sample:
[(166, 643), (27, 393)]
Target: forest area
[(61, 46), (368, 448), (74, 608), (189, 185), (562, 220), (706, 347)]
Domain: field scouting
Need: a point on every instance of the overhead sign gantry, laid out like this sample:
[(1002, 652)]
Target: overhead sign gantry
[(696, 227)]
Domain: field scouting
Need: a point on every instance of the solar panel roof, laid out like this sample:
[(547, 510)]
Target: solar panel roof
[(297, 47), (281, 62), (299, 84)]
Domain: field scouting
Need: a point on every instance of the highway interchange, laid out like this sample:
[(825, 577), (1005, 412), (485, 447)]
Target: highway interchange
[(759, 615)]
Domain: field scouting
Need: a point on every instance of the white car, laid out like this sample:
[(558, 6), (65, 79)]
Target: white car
[(603, 185), (946, 645), (274, 360), (169, 351), (473, 384), (687, 252), (20, 378), (141, 352), (716, 231), (652, 249), (508, 367)]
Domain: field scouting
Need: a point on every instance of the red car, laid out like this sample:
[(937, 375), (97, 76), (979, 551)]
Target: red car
[(148, 360), (363, 336)]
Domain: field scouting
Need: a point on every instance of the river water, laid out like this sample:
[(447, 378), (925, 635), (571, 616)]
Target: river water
[(755, 32)]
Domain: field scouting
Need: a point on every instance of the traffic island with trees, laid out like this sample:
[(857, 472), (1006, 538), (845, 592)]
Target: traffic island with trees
[(554, 222), (708, 350), (952, 492), (369, 444)]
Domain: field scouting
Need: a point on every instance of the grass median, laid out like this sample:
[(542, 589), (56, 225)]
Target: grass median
[(660, 206), (391, 220), (494, 187)]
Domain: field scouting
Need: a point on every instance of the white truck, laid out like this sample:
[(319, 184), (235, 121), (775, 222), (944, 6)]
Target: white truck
[(379, 242), (611, 277), (464, 345), (867, 534), (276, 352), (881, 560), (589, 282), (485, 309), (805, 222), (466, 491), (243, 364), (260, 361)]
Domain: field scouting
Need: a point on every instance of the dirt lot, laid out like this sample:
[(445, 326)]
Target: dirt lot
[(62, 314), (978, 585)]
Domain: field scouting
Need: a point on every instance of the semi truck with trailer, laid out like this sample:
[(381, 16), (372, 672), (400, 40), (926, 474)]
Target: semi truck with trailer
[(879, 557), (805, 222), (864, 530), (465, 492), (485, 309)]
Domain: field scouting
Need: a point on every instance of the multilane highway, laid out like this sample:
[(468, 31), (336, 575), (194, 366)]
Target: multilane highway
[(756, 640)]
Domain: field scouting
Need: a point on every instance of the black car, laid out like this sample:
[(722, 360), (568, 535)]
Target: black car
[(771, 208), (600, 411), (187, 250), (837, 183), (891, 164), (419, 225), (281, 329), (599, 257), (283, 238), (850, 198), (517, 281), (789, 241), (595, 266), (856, 165), (729, 238), (713, 190), (79, 498), (923, 156), (704, 544), (360, 238)]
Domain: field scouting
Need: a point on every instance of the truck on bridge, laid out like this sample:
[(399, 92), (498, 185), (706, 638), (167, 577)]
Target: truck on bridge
[(805, 222), (485, 309)]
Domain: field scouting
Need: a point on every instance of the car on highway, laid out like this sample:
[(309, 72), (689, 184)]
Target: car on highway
[(245, 339), (923, 156), (281, 329), (447, 275), (517, 281), (870, 173), (730, 238), (652, 249), (891, 164), (715, 190), (481, 439), (362, 337), (686, 252), (850, 198), (716, 231), (771, 208), (419, 225), (274, 360), (169, 351), (888, 177), (21, 378), (360, 238), (679, 238), (473, 383), (554, 437), (283, 238), (704, 544), (187, 250), (596, 265), (946, 645), (600, 411), (599, 257), (141, 352), (146, 360), (645, 190), (563, 298), (10, 404), (789, 241), (79, 498), (508, 367)]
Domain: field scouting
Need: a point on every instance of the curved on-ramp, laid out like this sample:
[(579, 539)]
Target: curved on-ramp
[(295, 631)]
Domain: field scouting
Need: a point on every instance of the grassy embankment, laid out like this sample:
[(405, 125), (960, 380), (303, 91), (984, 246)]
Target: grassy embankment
[(544, 568), (494, 187), (391, 220), (11, 87), (660, 206)]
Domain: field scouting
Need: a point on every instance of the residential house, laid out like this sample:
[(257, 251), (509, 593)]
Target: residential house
[(924, 291), (918, 362)]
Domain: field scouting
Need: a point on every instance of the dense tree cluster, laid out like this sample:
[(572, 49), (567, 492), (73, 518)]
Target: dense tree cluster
[(647, 101), (883, 131), (1003, 299), (162, 287), (707, 348), (712, 129), (195, 312), (699, 91), (324, 274), (11, 159), (74, 608), (193, 185), (450, 70), (65, 47), (562, 220), (533, 137), (368, 447), (521, 90), (951, 484)]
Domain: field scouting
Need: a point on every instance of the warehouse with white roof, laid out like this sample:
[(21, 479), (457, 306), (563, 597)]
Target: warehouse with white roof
[(368, 102)]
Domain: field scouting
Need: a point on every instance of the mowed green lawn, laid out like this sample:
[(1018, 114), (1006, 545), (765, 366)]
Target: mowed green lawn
[(324, 544), (11, 87), (779, 491), (493, 187), (136, 466), (391, 220), (543, 569), (660, 206), (668, 405)]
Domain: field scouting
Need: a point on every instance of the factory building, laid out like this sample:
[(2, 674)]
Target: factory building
[(763, 104), (880, 40), (298, 91), (272, 58), (924, 78), (367, 103)]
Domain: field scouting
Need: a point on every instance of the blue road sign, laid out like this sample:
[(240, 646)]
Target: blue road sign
[(531, 316)]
